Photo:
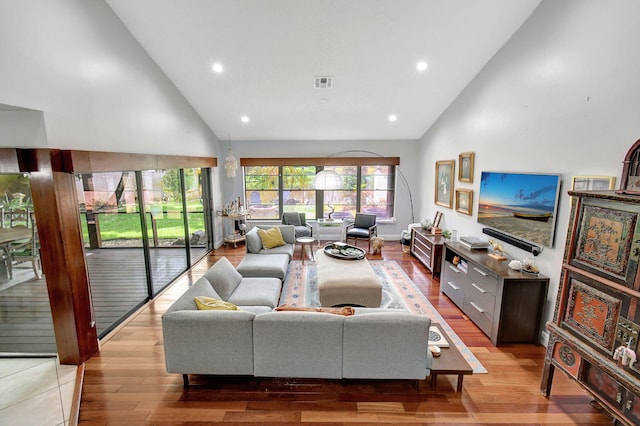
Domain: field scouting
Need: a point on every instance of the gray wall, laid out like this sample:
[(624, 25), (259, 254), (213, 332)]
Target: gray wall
[(560, 97)]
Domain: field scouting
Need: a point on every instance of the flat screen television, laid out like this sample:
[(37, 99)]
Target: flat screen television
[(521, 205)]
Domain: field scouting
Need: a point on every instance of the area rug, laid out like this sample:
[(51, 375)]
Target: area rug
[(399, 292)]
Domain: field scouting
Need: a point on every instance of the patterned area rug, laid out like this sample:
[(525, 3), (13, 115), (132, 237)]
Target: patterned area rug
[(399, 292)]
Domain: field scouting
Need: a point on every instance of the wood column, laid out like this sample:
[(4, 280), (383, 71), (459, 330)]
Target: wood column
[(56, 208)]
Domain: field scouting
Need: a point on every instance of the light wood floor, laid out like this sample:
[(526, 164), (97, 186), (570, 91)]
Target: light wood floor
[(127, 383)]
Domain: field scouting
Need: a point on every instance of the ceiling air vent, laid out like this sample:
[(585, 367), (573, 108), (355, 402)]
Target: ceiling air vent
[(323, 82)]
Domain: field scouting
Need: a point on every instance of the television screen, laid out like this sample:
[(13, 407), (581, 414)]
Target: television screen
[(522, 205)]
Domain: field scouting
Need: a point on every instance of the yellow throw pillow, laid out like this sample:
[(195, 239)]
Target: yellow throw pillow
[(209, 303), (271, 238)]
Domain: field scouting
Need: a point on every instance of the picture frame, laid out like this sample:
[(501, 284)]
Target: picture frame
[(591, 183), (444, 183), (464, 201), (465, 167), (437, 219)]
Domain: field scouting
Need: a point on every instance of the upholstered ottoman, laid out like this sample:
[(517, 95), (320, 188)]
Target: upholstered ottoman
[(264, 265), (347, 282)]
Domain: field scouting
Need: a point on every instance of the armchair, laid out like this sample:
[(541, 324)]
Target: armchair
[(363, 228), (299, 221)]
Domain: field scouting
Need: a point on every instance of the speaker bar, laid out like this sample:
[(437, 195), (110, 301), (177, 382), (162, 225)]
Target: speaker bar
[(522, 244)]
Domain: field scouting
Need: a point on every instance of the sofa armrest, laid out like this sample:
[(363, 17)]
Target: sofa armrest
[(208, 342)]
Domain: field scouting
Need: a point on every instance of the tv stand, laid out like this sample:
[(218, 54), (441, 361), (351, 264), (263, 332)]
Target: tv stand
[(505, 304)]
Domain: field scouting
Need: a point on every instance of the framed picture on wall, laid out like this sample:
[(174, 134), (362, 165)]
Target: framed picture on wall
[(465, 167), (444, 183), (464, 201), (589, 183)]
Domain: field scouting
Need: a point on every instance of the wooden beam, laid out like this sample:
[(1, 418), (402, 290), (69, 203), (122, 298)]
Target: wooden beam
[(97, 161), (56, 209)]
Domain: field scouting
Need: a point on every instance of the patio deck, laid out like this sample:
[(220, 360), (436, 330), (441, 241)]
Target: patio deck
[(118, 286)]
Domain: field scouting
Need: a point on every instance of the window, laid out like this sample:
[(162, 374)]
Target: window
[(271, 190)]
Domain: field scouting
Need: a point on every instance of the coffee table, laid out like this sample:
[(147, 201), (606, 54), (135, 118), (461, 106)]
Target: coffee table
[(347, 282), (450, 361)]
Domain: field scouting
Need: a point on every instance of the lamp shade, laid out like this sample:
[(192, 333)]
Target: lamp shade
[(230, 164), (327, 180)]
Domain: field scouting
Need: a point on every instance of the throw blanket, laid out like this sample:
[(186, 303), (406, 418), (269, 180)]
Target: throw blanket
[(346, 310)]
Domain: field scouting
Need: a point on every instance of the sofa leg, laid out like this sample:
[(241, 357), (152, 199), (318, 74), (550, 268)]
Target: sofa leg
[(185, 380)]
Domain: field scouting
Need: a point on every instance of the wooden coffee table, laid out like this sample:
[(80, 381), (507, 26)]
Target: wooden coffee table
[(450, 361)]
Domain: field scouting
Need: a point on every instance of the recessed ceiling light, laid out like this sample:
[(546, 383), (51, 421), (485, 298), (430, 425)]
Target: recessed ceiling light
[(393, 118), (244, 119), (421, 66), (217, 67)]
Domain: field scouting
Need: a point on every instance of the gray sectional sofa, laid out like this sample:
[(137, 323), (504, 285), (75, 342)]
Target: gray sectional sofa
[(258, 341)]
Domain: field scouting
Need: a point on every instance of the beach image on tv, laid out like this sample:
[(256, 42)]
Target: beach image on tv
[(521, 204)]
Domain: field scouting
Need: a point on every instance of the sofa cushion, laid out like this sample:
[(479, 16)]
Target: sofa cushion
[(186, 302), (209, 303), (253, 241), (257, 292), (261, 265), (223, 277), (271, 238)]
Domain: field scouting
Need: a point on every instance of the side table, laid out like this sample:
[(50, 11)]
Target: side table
[(450, 361), (304, 243), (333, 223)]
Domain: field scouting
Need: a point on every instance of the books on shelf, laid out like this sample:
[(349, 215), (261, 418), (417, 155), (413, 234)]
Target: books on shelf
[(474, 243)]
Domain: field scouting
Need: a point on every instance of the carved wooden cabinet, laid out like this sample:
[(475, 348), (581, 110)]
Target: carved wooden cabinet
[(597, 308), (428, 249), (505, 304)]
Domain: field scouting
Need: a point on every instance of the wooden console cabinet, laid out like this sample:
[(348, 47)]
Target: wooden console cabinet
[(506, 305), (428, 249), (598, 304)]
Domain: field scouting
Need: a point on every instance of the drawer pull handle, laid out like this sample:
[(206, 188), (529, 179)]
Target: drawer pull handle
[(454, 269), (619, 397), (629, 405), (478, 308), (483, 273), (453, 286), (477, 287)]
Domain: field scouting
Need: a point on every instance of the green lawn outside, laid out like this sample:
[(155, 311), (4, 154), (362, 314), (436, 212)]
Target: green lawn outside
[(116, 226)]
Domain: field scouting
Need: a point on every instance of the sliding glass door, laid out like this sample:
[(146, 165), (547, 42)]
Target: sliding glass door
[(142, 230)]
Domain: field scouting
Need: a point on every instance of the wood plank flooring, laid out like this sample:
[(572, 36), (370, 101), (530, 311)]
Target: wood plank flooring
[(127, 383)]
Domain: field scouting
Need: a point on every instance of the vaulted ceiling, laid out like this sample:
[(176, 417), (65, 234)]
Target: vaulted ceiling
[(271, 52)]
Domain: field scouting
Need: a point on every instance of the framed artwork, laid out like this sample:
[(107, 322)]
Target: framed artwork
[(464, 201), (444, 183), (465, 167), (437, 219), (588, 183)]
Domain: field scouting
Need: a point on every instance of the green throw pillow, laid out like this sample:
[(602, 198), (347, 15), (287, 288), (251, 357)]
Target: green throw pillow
[(209, 303), (271, 238)]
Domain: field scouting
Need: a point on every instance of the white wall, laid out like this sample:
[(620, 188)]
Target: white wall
[(98, 89), (406, 150), (560, 97)]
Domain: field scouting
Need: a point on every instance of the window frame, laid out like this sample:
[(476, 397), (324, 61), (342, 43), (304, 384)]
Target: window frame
[(320, 164)]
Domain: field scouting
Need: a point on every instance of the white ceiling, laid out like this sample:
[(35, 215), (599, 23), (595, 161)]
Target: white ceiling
[(271, 51)]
